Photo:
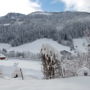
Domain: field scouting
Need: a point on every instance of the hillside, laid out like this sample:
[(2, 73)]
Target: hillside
[(80, 45), (36, 46), (5, 46), (17, 29)]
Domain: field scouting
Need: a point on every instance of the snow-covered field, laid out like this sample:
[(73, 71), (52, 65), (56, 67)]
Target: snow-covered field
[(35, 46), (32, 78), (80, 45), (75, 83), (31, 69)]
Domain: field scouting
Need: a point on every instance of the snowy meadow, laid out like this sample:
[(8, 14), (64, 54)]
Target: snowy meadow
[(13, 68), (33, 78)]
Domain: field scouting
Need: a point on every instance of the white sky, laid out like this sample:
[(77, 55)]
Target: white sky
[(19, 6), (77, 5), (28, 6)]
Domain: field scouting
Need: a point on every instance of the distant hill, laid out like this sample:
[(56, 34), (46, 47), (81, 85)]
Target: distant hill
[(17, 29), (36, 46), (80, 45)]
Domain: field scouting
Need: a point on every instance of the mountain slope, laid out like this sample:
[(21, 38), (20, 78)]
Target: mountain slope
[(18, 29), (5, 46)]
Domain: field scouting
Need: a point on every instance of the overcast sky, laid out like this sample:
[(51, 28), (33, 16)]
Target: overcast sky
[(28, 6)]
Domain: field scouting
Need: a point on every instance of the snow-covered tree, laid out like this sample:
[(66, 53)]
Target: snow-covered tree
[(51, 62)]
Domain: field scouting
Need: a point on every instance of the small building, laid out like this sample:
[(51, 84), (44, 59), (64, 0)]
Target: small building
[(2, 57), (66, 54), (84, 71)]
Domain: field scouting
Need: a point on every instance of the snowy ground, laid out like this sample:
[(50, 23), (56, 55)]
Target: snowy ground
[(75, 83), (31, 69), (32, 78), (33, 73)]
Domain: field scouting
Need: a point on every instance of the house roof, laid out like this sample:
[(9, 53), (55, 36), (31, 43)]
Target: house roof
[(84, 69), (64, 52)]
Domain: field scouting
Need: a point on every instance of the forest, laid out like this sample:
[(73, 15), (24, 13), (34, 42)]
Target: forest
[(17, 29)]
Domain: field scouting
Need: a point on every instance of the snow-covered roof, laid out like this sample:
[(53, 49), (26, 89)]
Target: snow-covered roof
[(65, 52), (1, 55), (83, 70)]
